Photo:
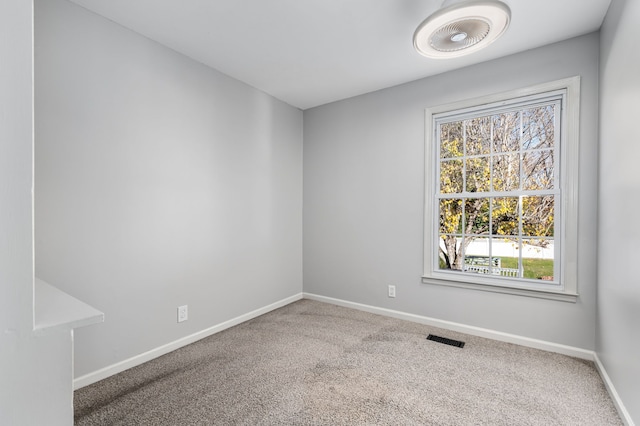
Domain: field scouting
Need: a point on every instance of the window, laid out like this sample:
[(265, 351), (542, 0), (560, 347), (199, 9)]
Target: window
[(501, 207)]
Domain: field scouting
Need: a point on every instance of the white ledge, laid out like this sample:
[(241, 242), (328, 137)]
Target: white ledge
[(529, 292), (55, 309)]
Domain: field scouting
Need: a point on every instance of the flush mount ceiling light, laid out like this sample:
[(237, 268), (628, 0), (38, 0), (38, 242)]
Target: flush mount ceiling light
[(461, 28)]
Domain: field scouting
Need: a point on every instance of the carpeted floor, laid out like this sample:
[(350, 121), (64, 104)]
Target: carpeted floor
[(313, 363)]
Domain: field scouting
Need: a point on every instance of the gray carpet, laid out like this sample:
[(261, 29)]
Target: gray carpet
[(313, 363)]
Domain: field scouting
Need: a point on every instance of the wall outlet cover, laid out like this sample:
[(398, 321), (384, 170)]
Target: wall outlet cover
[(183, 313), (392, 291)]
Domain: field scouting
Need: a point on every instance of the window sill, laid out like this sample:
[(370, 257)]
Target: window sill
[(540, 294)]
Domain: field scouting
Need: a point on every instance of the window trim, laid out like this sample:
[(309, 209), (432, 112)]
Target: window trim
[(569, 166)]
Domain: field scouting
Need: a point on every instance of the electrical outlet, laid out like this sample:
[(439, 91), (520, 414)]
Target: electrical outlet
[(183, 313), (392, 291)]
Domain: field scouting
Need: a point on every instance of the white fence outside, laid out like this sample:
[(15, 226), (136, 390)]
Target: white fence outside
[(503, 272)]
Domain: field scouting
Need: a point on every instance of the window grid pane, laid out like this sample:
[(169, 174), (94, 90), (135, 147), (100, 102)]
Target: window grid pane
[(503, 185)]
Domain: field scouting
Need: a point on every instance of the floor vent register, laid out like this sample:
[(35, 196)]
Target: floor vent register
[(446, 341)]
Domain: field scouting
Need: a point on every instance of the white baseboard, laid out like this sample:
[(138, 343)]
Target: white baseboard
[(461, 328), (105, 372), (622, 411)]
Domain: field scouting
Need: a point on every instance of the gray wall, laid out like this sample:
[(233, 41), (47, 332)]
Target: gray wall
[(364, 191), (159, 182), (618, 345), (35, 371)]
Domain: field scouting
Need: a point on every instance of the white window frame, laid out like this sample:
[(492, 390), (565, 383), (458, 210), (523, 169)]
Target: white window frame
[(565, 288)]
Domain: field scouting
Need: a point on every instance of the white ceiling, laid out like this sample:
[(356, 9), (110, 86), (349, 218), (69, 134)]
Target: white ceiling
[(311, 52)]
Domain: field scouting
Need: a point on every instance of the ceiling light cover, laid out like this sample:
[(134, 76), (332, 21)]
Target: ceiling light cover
[(461, 29)]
